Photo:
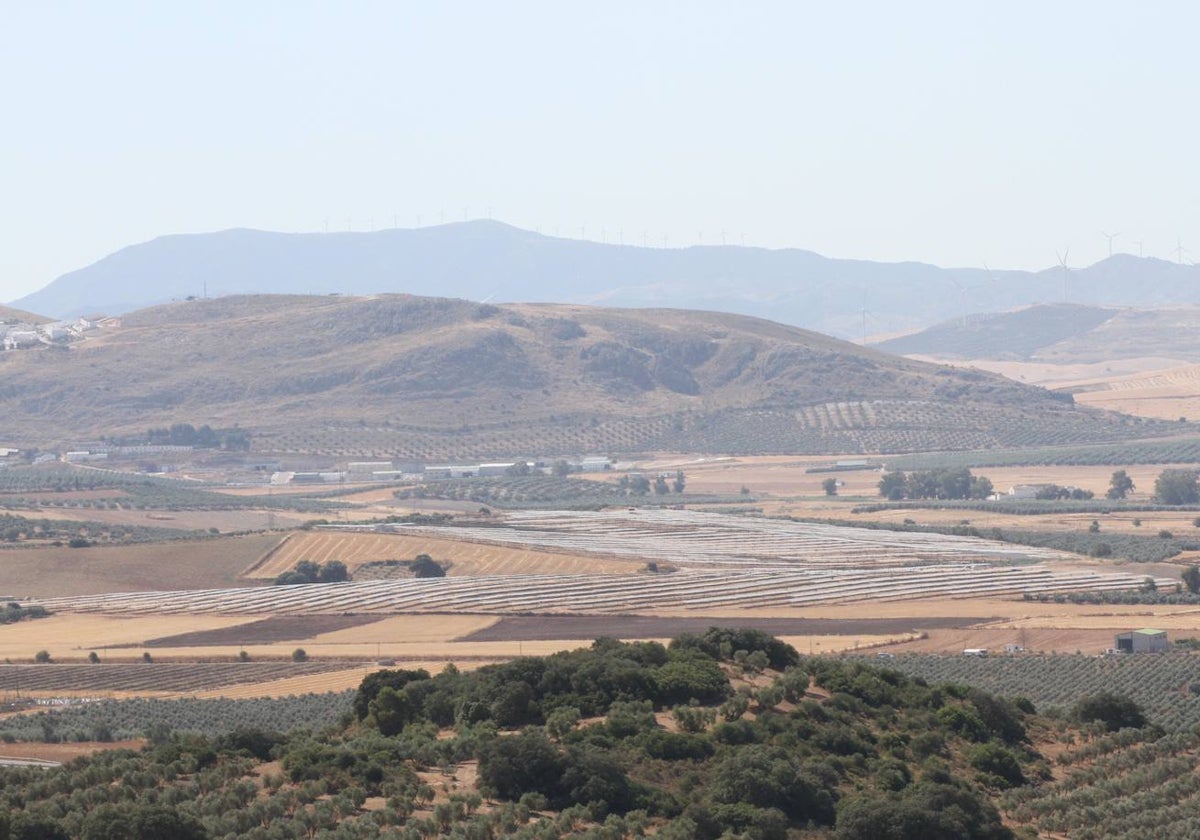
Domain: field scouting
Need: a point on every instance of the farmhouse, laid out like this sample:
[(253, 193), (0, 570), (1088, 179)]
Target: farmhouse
[(1142, 641), (16, 339), (592, 463), (58, 331), (366, 468), (452, 471), (78, 456), (495, 469), (1025, 491)]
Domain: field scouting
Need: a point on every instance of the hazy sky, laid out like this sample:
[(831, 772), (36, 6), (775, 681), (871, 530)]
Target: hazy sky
[(956, 133)]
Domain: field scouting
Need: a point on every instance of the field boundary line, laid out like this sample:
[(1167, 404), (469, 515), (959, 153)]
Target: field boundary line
[(266, 555)]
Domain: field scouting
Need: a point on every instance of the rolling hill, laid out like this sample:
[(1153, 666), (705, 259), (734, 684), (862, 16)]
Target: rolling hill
[(485, 260), (1137, 361), (1060, 334), (435, 378), (1003, 335), (9, 315)]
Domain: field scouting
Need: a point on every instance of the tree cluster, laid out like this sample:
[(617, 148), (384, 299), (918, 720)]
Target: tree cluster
[(1120, 485), (1177, 487), (14, 612), (1114, 711), (424, 566), (867, 756), (636, 484), (306, 571), (1054, 492), (934, 484), (759, 778)]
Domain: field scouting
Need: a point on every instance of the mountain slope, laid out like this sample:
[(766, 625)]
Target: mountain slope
[(1060, 334), (439, 378), (486, 260), (9, 315), (1003, 335)]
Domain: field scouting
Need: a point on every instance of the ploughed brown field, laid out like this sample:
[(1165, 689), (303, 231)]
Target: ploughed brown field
[(265, 631), (530, 628)]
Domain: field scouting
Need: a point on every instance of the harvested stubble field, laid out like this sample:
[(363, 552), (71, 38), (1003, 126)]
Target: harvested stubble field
[(73, 636), (1161, 388), (800, 493), (70, 637), (724, 561), (176, 564), (466, 557)]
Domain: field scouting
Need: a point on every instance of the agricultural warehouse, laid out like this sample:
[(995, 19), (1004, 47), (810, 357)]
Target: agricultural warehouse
[(1142, 641)]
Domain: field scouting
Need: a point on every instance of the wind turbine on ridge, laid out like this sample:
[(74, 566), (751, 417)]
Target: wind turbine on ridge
[(1110, 237), (1179, 250), (962, 297), (1062, 262)]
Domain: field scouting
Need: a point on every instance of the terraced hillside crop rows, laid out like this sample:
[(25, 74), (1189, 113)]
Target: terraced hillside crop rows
[(876, 426), (1162, 684), (1178, 451), (131, 717), (696, 539), (1121, 790), (779, 586), (723, 561), (153, 676)]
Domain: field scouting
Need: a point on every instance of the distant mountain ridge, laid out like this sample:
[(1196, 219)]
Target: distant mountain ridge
[(486, 260), (422, 378)]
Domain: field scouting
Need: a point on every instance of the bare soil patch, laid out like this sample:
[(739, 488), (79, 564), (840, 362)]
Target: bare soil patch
[(66, 751), (536, 628), (212, 563), (183, 520), (1033, 640), (265, 631)]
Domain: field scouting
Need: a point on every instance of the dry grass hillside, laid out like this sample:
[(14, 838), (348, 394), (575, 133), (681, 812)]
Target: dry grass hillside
[(439, 378), (9, 315), (1060, 334)]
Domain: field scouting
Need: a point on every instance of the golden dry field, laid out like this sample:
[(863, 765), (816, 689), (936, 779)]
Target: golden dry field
[(465, 557), (177, 564), (1158, 387), (431, 640), (72, 636), (1166, 394), (786, 477)]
